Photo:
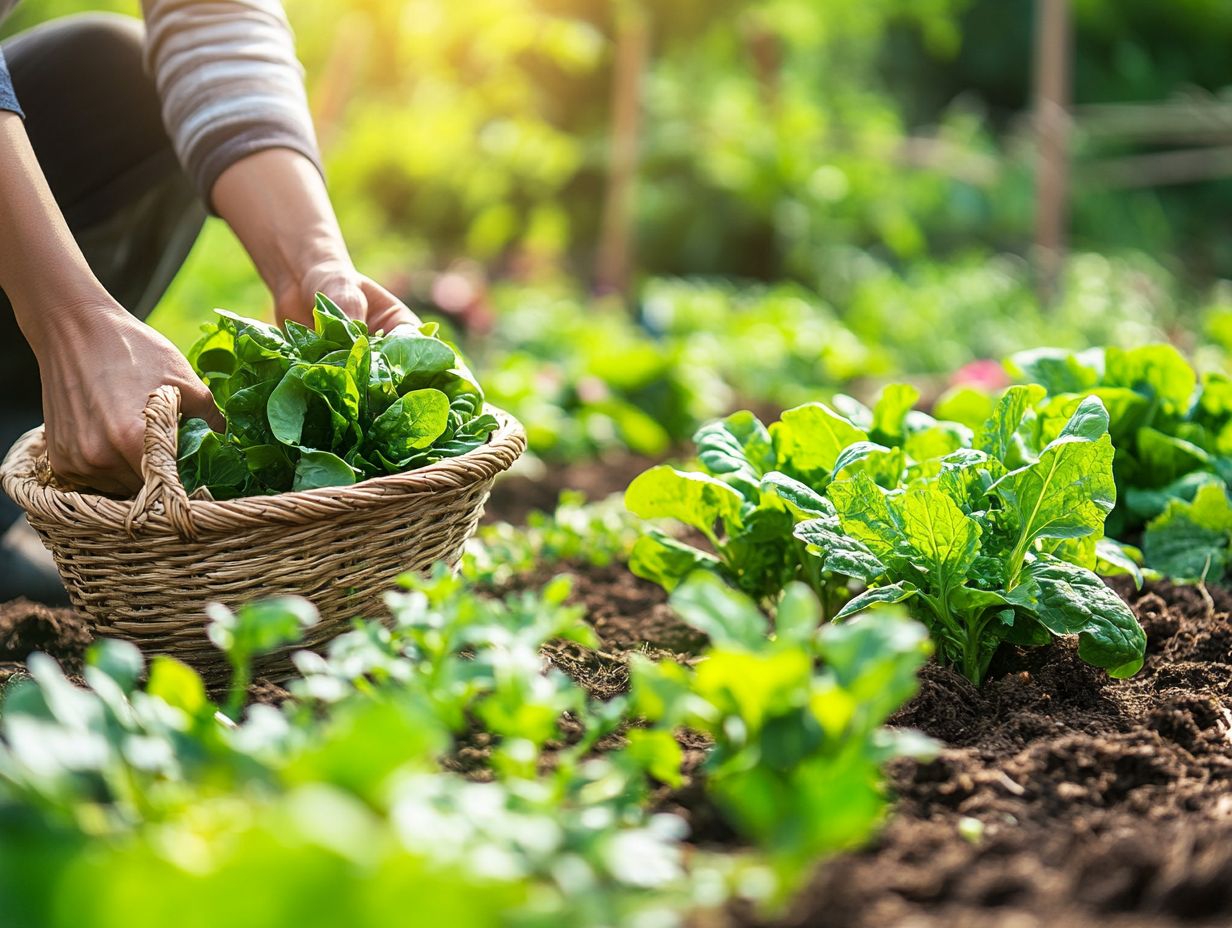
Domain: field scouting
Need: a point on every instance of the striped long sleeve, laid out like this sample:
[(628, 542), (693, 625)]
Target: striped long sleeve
[(229, 81), (8, 99)]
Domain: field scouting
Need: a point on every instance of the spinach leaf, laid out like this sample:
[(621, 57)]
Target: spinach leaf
[(325, 406), (983, 559), (413, 422), (1073, 601), (321, 469)]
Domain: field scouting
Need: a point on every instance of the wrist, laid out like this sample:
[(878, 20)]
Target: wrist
[(52, 313), (300, 257)]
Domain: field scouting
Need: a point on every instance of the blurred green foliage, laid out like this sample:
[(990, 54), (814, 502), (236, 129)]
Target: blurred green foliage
[(826, 193), (773, 131)]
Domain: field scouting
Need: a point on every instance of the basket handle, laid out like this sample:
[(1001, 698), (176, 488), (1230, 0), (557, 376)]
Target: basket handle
[(160, 473)]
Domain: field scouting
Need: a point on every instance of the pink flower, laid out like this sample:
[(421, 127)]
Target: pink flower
[(983, 375)]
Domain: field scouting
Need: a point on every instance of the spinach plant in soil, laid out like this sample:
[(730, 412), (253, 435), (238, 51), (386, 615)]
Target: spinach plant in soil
[(984, 554), (797, 716), (1170, 425), (325, 406), (985, 539), (751, 484)]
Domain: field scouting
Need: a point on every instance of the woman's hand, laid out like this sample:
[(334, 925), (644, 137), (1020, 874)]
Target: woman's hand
[(98, 365), (276, 203), (97, 373), (358, 296)]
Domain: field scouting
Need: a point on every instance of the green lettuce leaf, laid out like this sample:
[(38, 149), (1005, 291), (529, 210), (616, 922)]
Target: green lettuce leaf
[(1070, 490), (698, 500), (1190, 539), (1073, 601)]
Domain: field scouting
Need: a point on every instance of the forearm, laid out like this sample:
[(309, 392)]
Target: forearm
[(276, 203), (42, 270)]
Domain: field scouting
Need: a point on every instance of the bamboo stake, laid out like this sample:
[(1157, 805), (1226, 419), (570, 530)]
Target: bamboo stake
[(614, 263), (1053, 54)]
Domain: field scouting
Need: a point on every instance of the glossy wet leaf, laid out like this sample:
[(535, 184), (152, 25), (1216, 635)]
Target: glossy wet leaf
[(1073, 601)]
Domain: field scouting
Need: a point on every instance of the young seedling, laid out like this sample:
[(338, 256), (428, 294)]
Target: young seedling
[(255, 629)]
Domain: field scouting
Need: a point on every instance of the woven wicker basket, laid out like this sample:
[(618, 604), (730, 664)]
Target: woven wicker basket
[(144, 569)]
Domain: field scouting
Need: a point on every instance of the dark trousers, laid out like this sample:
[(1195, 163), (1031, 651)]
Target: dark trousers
[(93, 117)]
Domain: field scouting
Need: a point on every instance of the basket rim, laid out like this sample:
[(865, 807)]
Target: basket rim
[(47, 504)]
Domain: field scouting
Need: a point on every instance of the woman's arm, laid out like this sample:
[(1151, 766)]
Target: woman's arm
[(97, 363), (277, 204), (234, 104)]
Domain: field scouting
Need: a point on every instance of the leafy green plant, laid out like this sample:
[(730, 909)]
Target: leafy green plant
[(798, 747), (505, 685), (1191, 540), (1171, 427), (984, 554), (326, 406), (752, 484), (255, 629)]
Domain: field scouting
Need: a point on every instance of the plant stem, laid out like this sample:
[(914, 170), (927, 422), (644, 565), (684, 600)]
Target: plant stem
[(237, 692), (971, 661)]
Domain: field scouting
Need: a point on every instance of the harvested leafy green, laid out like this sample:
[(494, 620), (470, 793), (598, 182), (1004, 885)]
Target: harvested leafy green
[(984, 554), (327, 406)]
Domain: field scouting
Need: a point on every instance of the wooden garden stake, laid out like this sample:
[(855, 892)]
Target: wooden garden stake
[(1053, 54), (614, 262)]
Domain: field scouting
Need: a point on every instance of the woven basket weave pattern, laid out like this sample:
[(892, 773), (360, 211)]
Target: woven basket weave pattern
[(144, 570)]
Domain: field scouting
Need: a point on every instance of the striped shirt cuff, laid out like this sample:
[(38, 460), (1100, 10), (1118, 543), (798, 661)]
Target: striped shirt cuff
[(8, 99)]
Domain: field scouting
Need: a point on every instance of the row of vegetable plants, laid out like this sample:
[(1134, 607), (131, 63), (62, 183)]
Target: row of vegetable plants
[(989, 536), (1114, 460), (589, 375), (347, 802)]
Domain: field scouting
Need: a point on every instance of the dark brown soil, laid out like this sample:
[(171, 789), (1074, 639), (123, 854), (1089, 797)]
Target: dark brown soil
[(1100, 802), (26, 627), (628, 614), (1084, 801), (516, 496)]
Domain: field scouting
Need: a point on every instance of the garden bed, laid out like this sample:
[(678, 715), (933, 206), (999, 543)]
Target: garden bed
[(516, 495), (1098, 801), (1061, 798)]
